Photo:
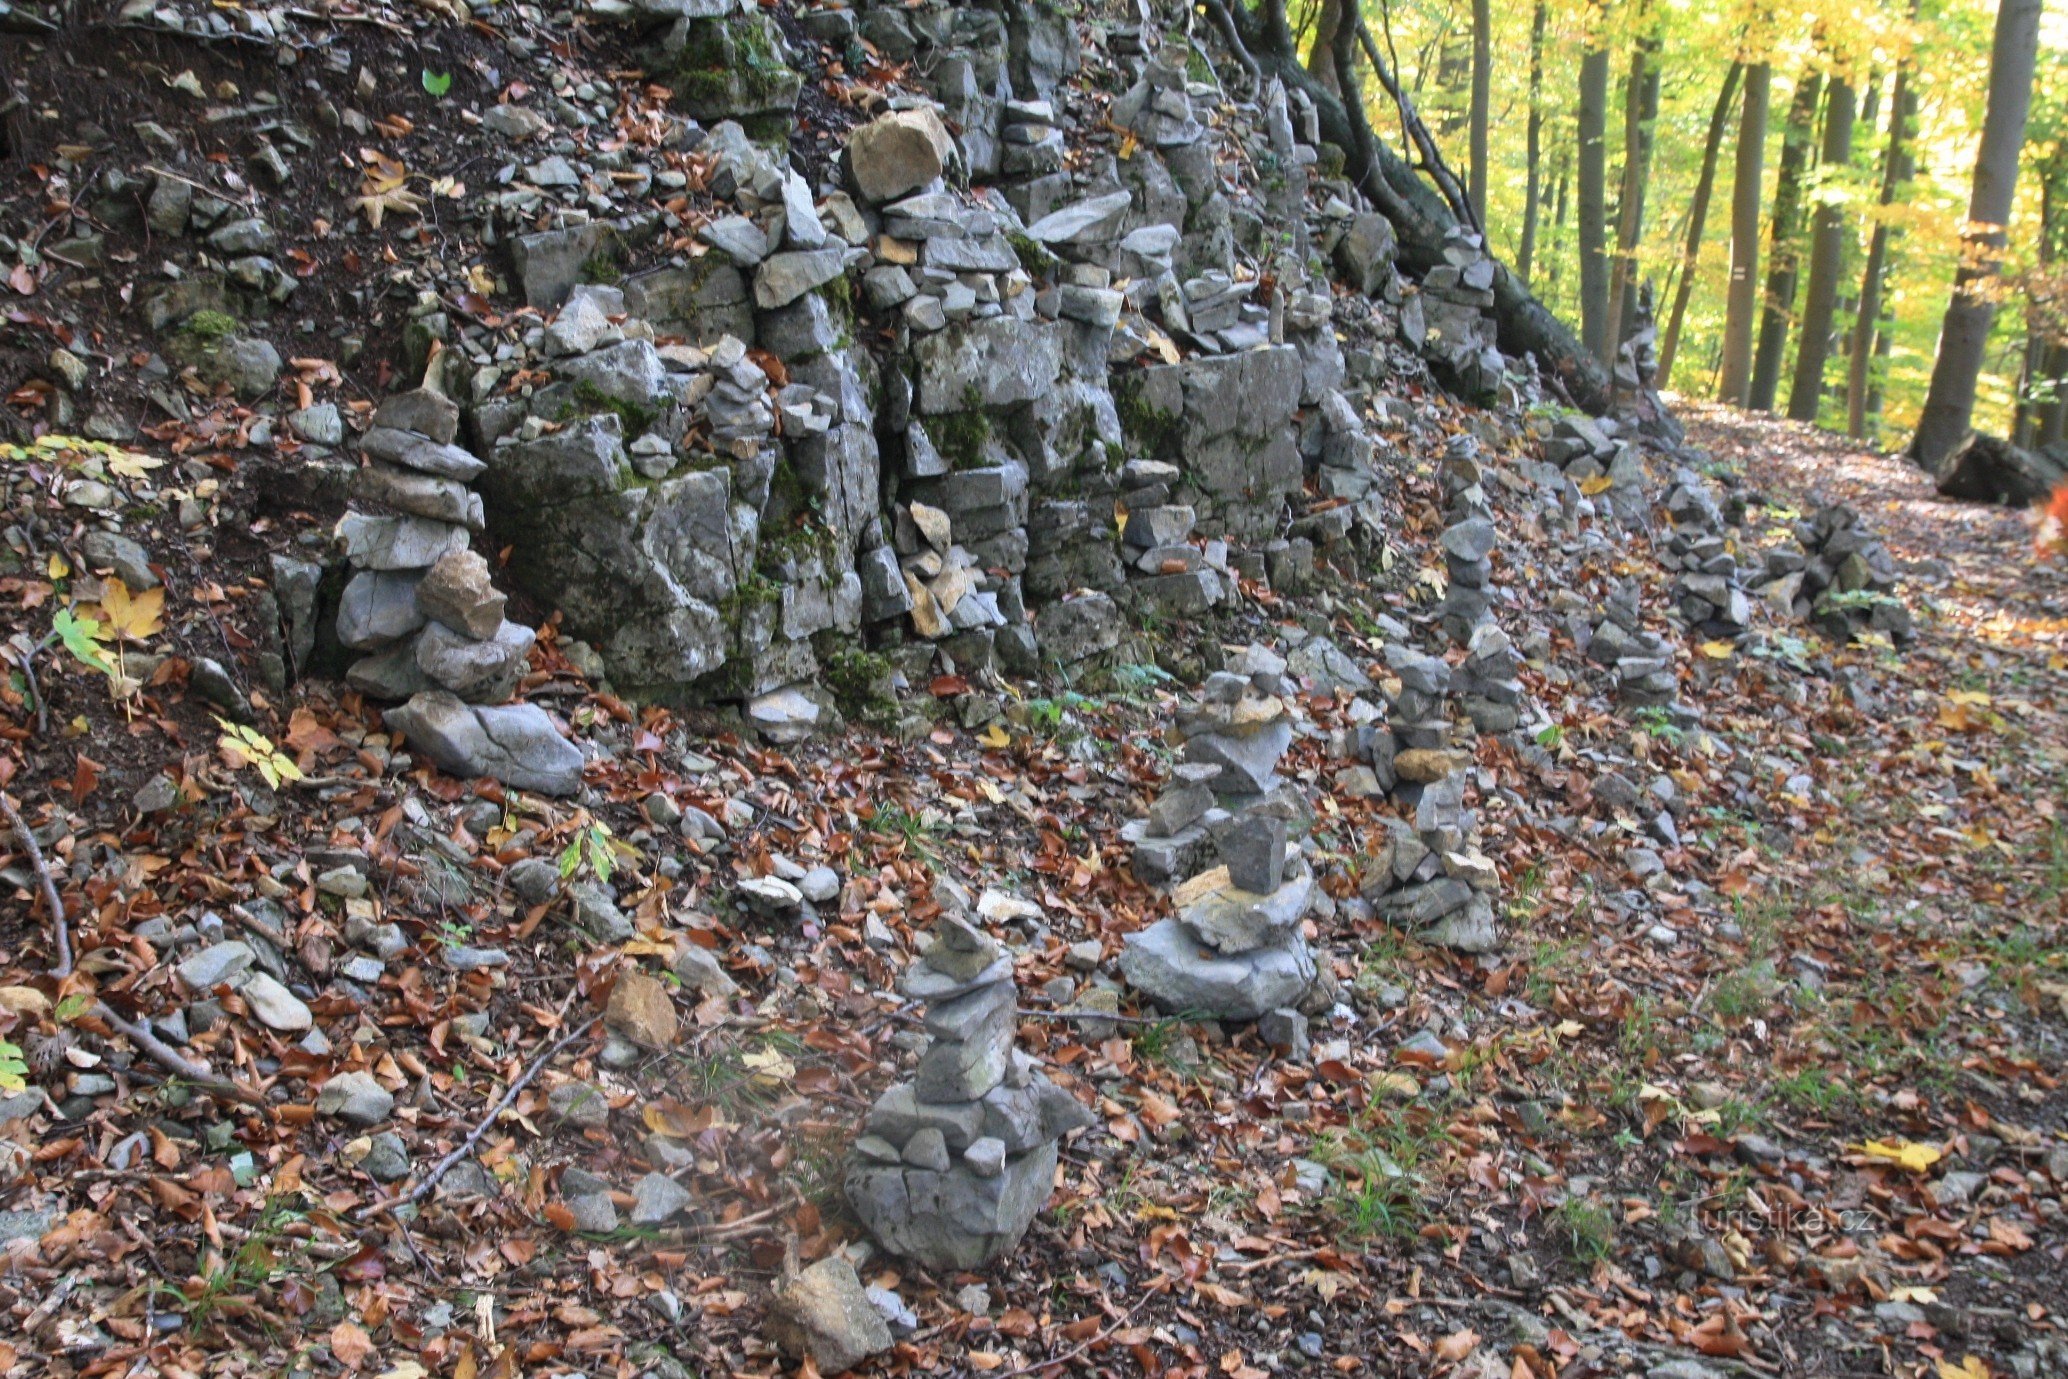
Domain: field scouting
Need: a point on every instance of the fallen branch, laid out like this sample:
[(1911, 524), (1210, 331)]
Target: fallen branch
[(173, 1061), (25, 657), (60, 927), (1425, 142), (466, 1146)]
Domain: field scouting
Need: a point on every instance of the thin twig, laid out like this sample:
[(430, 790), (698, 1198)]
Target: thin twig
[(466, 1146), (1067, 1356), (25, 657), (219, 192), (60, 927)]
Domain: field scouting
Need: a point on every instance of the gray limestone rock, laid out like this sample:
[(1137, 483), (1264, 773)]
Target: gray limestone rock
[(825, 1315), (477, 671), (397, 543), (356, 1098), (1253, 850), (1234, 920), (515, 743), (1181, 974), (378, 607), (953, 1220), (656, 1197)]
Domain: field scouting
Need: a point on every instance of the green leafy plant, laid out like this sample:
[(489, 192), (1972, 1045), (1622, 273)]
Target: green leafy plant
[(14, 1073), (436, 83), (242, 745), (593, 846), (82, 637)]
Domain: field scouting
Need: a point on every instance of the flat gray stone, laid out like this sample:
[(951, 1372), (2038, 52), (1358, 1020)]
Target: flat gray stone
[(1167, 963)]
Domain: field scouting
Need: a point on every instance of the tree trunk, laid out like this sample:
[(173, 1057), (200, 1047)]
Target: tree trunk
[(1785, 242), (1698, 217), (1561, 202), (1640, 109), (1321, 63), (1950, 404), (1482, 97), (1525, 254), (1743, 298), (1827, 257), (1593, 214), (1867, 340), (1423, 219)]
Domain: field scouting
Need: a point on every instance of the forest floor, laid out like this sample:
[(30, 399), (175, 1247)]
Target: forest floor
[(1800, 1112)]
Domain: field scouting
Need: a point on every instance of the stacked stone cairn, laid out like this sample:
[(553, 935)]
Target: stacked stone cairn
[(1837, 574), (953, 1165), (423, 615), (1410, 755), (1707, 591), (1642, 660), (1451, 319), (1234, 950), (419, 607)]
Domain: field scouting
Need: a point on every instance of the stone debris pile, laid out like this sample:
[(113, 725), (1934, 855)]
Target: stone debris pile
[(1235, 949), (953, 1165), (1838, 575), (1603, 467)]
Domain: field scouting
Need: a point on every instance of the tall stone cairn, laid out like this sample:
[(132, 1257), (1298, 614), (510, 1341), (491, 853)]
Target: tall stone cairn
[(1234, 949), (954, 1164)]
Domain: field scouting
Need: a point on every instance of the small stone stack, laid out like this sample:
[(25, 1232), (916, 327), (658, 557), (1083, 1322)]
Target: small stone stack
[(1431, 877), (420, 607), (1234, 950), (1487, 682), (1642, 660), (1451, 319), (953, 1165), (1837, 574), (1709, 596)]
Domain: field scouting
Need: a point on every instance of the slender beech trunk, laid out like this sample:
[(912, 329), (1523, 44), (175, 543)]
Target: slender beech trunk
[(1862, 400), (1593, 212), (1321, 63), (1949, 406), (1561, 202), (1698, 217), (1525, 254), (1784, 244), (1743, 298), (1482, 97), (1827, 257), (1640, 110)]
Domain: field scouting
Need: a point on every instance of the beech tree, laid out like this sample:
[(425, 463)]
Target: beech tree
[(1950, 404), (1697, 221), (1593, 193), (1784, 236), (1868, 338), (1827, 253), (1743, 296)]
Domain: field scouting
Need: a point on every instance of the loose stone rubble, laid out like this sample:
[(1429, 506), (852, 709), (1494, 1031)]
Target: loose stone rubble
[(1836, 574), (954, 1164)]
